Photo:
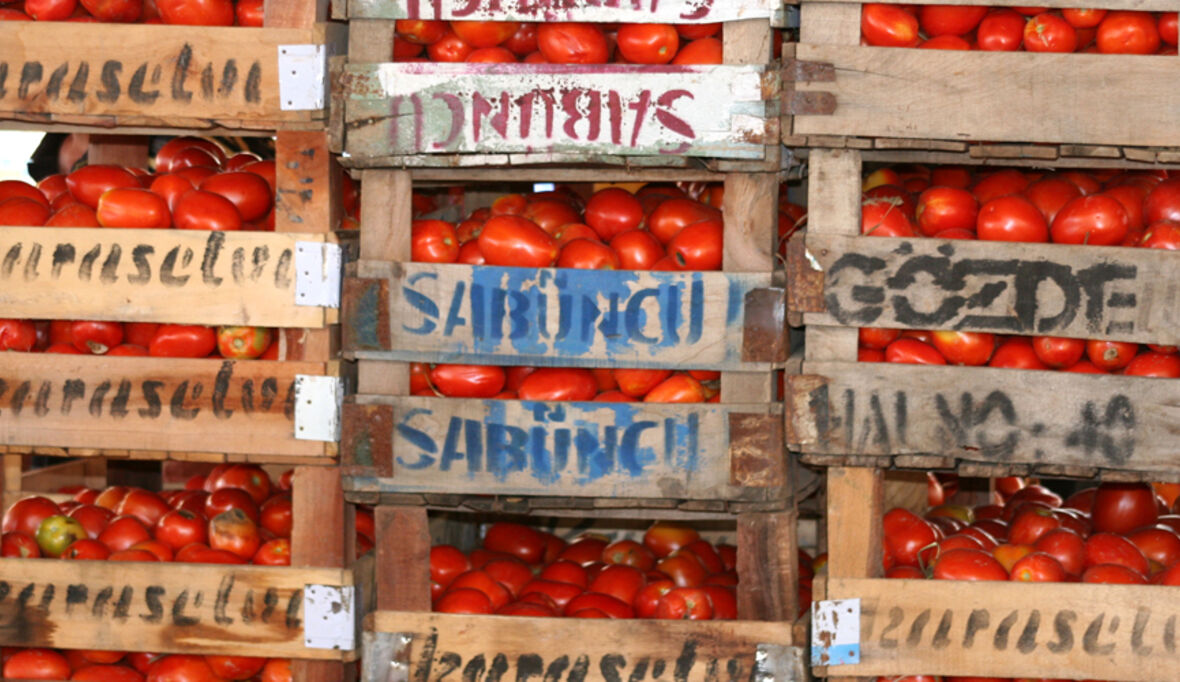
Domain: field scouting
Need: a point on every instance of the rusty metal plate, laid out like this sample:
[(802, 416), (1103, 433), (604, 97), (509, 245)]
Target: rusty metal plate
[(365, 311), (366, 442), (805, 282), (757, 456), (764, 333)]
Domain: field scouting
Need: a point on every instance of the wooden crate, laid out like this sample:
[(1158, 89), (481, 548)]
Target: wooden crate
[(728, 452), (433, 114), (836, 88), (401, 636), (155, 77), (986, 420)]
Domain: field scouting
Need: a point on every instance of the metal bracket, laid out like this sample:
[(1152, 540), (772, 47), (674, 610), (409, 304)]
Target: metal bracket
[(764, 337), (386, 657), (318, 270), (835, 632), (779, 663), (303, 77), (329, 617), (318, 401)]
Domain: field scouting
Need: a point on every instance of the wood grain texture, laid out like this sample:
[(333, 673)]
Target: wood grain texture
[(118, 150), (767, 565), (403, 553), (1006, 629), (295, 13), (1030, 289), (667, 12), (854, 522), (835, 23), (833, 207), (153, 404), (307, 183), (1142, 5), (135, 275), (981, 95)]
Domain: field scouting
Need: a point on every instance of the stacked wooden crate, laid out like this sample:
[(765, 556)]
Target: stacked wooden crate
[(859, 418), (117, 82), (410, 123)]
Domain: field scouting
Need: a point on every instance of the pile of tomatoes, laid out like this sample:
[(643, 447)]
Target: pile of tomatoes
[(565, 383), (556, 42), (660, 227), (1009, 29), (118, 666), (94, 337), (202, 13), (1123, 533), (522, 571)]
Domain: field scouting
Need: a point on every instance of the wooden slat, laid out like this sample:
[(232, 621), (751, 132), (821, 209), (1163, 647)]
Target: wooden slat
[(525, 647), (982, 95), (549, 316), (1009, 629), (118, 150), (665, 12), (152, 403), (174, 73), (854, 534), (579, 449), (165, 608), (833, 207), (135, 275), (1032, 289), (1142, 5), (977, 414), (768, 566), (403, 553), (414, 109)]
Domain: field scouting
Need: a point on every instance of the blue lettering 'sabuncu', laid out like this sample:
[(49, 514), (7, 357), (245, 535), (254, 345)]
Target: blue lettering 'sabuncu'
[(578, 443), (565, 312)]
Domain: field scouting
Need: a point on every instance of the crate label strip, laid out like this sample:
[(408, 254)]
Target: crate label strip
[(408, 109), (181, 276), (1034, 289), (555, 316), (606, 11)]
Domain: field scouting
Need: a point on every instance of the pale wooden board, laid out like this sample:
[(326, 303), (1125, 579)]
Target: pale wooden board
[(1143, 5), (557, 648), (175, 276), (1125, 294), (165, 608), (577, 449), (1011, 629), (977, 414), (146, 72), (999, 96), (551, 316), (603, 11), (67, 401), (430, 108)]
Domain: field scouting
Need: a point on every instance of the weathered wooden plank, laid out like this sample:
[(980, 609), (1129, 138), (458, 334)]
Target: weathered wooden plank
[(147, 72), (597, 650), (166, 608), (553, 316), (135, 275), (579, 449), (1143, 5), (985, 95), (419, 108), (1034, 289), (244, 407), (633, 11), (985, 415), (1012, 629)]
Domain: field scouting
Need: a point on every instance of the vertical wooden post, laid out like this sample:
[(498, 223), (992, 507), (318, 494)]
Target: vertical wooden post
[(767, 565), (403, 559), (294, 13), (833, 207), (118, 150), (854, 526)]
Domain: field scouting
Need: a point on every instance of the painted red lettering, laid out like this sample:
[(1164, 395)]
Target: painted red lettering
[(396, 117), (481, 107), (526, 103), (668, 119), (593, 115), (468, 9), (640, 109), (457, 117), (615, 105), (703, 7)]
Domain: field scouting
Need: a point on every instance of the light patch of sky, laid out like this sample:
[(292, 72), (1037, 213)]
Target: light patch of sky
[(16, 146)]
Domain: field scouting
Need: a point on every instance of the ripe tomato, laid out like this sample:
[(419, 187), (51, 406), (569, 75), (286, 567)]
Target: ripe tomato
[(1051, 193), (1011, 218), (1002, 30), (178, 667), (946, 208), (484, 33), (449, 48), (1128, 32), (673, 215), (1108, 548), (1113, 574), (664, 537), (1110, 355), (572, 43), (698, 246), (972, 349), (906, 534), (250, 13), (954, 20), (225, 499), (1122, 507), (36, 664), (524, 41), (1030, 524), (178, 528), (877, 337), (637, 382), (1168, 27), (234, 531), (171, 187), (1049, 33), (123, 532), (497, 55), (73, 215), (89, 183), (609, 606), (911, 351), (648, 43), (587, 254), (92, 517), (277, 552), (235, 667), (202, 210), (513, 240), (22, 211), (464, 600), (629, 553), (468, 381), (1160, 544), (132, 207), (421, 31), (1066, 546), (249, 192), (18, 335), (183, 341), (197, 13), (1154, 364), (639, 250), (888, 25), (678, 388), (1016, 353), (26, 515), (968, 564), (685, 603), (559, 383), (92, 336), (1083, 18), (1058, 352), (885, 217), (516, 540), (1164, 234), (701, 51), (613, 211), (144, 505), (1095, 219), (619, 581), (1038, 567), (19, 544), (275, 515), (479, 579)]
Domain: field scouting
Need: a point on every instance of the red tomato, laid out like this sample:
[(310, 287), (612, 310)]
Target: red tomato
[(885, 217), (250, 13), (638, 382), (1095, 219), (906, 534), (144, 505), (585, 550), (572, 43), (1083, 18), (123, 532), (1051, 193), (166, 157), (1038, 567), (468, 381), (92, 517), (446, 563), (888, 25), (1113, 574), (89, 183), (955, 20), (1002, 30), (234, 531), (648, 43), (619, 581), (275, 515), (92, 336), (639, 250), (563, 571), (1154, 364), (421, 31), (513, 240), (1128, 32), (1011, 218), (496, 55), (197, 12), (181, 668), (1016, 353), (946, 208), (664, 537), (685, 603), (608, 605), (998, 184), (225, 499), (178, 528), (73, 215), (1160, 544), (464, 600), (484, 33), (1049, 33), (132, 207), (524, 41), (479, 579), (678, 388), (183, 341), (629, 553), (36, 664), (18, 335), (968, 564), (1164, 234), (1168, 27), (702, 51), (673, 215), (1108, 548), (249, 192), (449, 48), (556, 593), (1110, 355), (914, 352), (171, 187), (26, 515), (587, 254), (235, 667), (23, 211), (1122, 507), (1058, 352), (433, 241), (516, 540), (973, 349), (1030, 524), (647, 599), (1066, 546), (698, 246), (202, 210), (613, 211), (559, 383)]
